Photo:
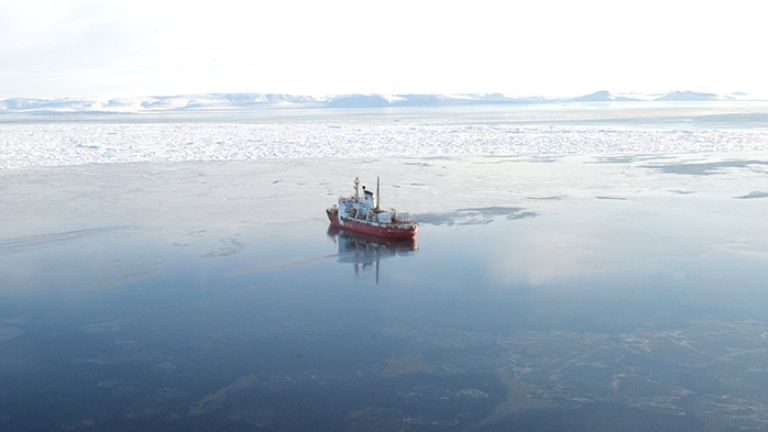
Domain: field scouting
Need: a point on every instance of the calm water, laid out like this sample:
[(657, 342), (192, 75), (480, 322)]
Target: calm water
[(573, 294)]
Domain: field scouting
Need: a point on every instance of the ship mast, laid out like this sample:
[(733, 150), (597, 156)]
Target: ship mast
[(357, 189), (378, 194)]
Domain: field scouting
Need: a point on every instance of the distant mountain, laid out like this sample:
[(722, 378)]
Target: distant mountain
[(250, 101), (691, 96), (256, 101), (358, 101), (227, 101), (26, 104), (207, 101), (602, 96), (418, 100)]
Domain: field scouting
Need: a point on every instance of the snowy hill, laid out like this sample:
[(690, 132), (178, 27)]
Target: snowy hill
[(602, 96), (358, 101), (256, 101), (691, 96), (249, 101)]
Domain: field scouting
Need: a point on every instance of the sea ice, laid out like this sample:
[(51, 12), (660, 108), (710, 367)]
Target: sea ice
[(76, 143)]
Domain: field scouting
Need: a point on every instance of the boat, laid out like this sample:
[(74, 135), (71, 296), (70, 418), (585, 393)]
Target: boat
[(363, 214)]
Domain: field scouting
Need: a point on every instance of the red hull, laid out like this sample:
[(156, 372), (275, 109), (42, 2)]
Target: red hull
[(383, 232)]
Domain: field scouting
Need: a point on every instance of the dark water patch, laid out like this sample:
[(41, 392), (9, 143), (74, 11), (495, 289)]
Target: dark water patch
[(343, 401), (625, 159), (682, 192), (547, 198), (615, 159), (753, 195), (445, 158), (597, 417), (19, 244), (606, 197), (543, 159), (474, 216), (707, 168), (735, 119), (230, 246), (10, 333), (280, 266)]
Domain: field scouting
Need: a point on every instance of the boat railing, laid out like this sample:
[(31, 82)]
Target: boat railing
[(402, 217)]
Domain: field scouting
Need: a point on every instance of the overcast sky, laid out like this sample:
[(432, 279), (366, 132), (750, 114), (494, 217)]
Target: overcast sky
[(106, 48)]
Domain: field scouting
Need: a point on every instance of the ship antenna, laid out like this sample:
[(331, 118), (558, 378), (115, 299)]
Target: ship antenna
[(378, 194)]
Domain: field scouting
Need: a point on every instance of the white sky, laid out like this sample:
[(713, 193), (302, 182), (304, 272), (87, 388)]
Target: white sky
[(545, 47)]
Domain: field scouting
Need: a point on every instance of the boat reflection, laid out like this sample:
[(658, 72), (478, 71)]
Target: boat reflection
[(365, 251)]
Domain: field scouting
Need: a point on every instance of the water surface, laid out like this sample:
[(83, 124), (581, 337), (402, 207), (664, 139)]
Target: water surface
[(577, 293)]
